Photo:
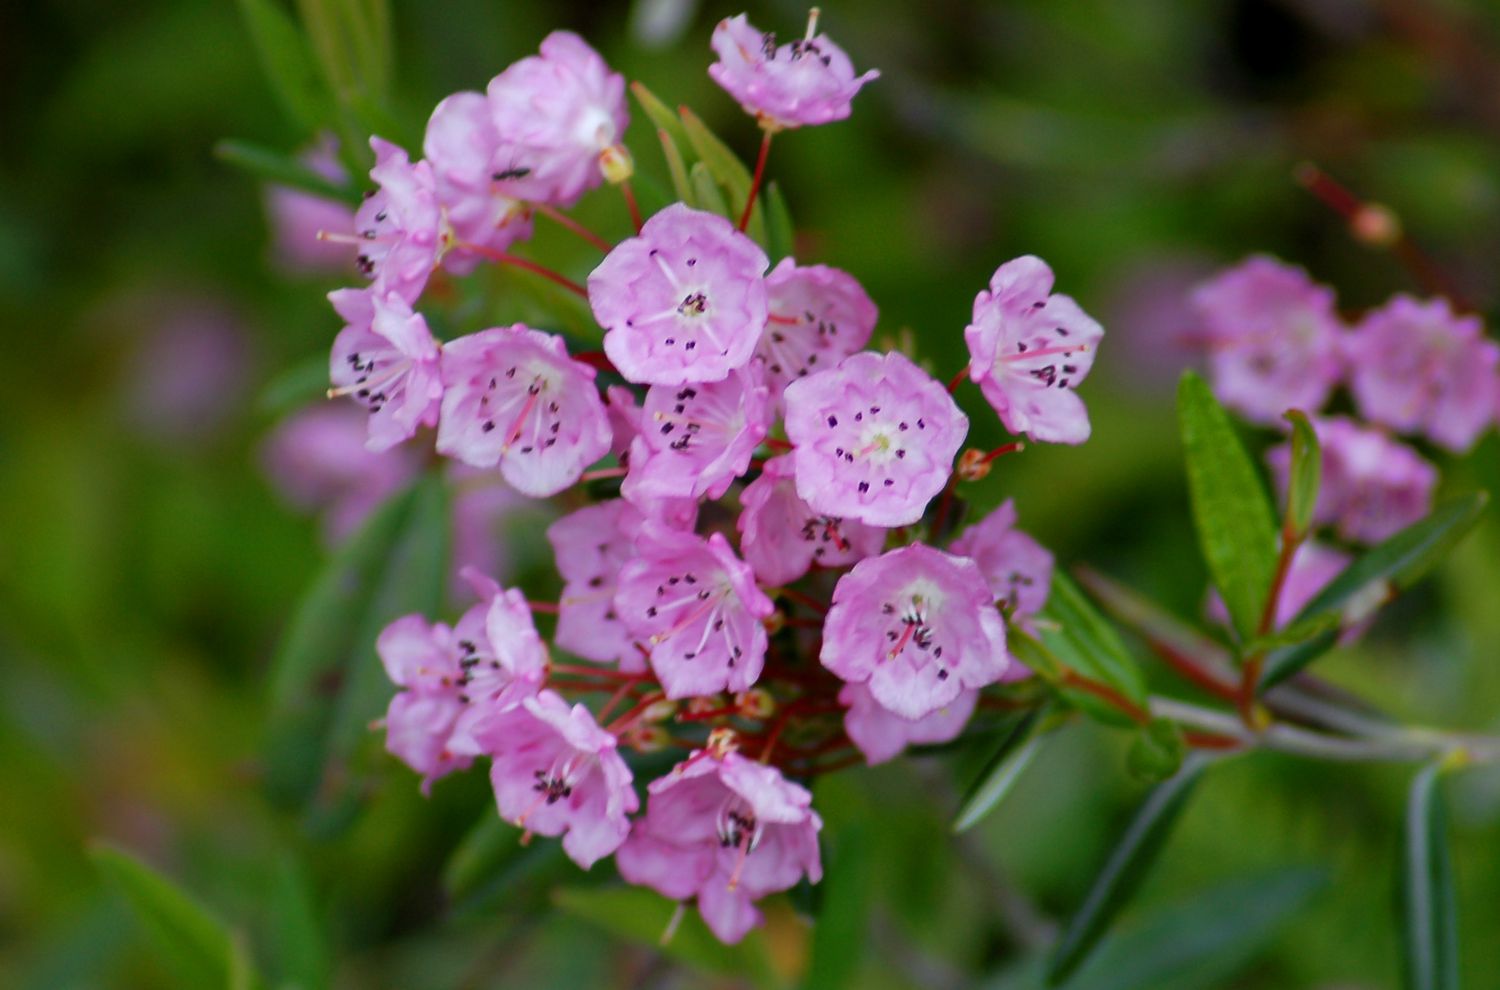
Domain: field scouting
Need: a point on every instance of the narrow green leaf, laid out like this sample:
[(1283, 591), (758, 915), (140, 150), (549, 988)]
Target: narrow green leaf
[(1306, 474), (1370, 581), (297, 936), (1127, 866), (1084, 641), (294, 387), (643, 916), (1156, 752), (839, 939), (283, 170), (288, 64), (1162, 630), (1236, 528), (1004, 767), (706, 191), (781, 233), (726, 168), (486, 847), (1294, 634), (196, 946), (677, 169), (661, 115), (1429, 910)]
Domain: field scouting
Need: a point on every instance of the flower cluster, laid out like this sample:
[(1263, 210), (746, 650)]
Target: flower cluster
[(757, 564)]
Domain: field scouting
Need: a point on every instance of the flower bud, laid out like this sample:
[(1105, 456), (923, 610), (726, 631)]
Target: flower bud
[(755, 703), (660, 711), (647, 738), (616, 165), (973, 465), (721, 742)]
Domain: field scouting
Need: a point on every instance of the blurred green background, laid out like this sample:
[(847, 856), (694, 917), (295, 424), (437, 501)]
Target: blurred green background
[(147, 567)]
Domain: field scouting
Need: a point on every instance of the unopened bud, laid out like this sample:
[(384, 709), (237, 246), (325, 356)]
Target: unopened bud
[(755, 703), (775, 622), (1376, 225), (721, 742), (660, 711), (973, 465), (647, 738), (616, 165), (703, 703)]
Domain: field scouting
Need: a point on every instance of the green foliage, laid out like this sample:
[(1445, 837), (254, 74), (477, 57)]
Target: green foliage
[(1156, 752), (841, 931), (288, 64), (1429, 923), (1076, 638), (1236, 530), (1018, 743), (271, 166), (1306, 475)]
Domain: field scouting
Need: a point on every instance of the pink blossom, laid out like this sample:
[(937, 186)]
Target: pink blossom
[(881, 735), (400, 228), (919, 626), (818, 316), (782, 537), (696, 606), (696, 439), (1273, 338), (514, 397), (387, 360), (554, 115), (728, 831), (296, 217), (875, 438), (591, 545), (1372, 485), (682, 302), (808, 81), (555, 772), (624, 421), (460, 144), (1028, 350), (423, 660), (1418, 367), (1018, 568), (317, 460)]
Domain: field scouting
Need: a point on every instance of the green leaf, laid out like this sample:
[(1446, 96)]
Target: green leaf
[(1306, 475), (288, 64), (1236, 528), (297, 936), (1156, 752), (1429, 910), (1294, 634), (839, 938), (1084, 641), (1370, 581), (643, 916), (198, 947), (660, 114), (677, 169), (781, 233), (1011, 756), (1127, 866), (726, 168), (706, 191), (295, 387), (283, 170)]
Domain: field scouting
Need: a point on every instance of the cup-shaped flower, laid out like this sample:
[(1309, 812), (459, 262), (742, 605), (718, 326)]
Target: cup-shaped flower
[(1018, 568), (727, 830), (555, 114), (556, 772), (782, 537), (696, 439), (881, 734), (423, 660), (400, 228), (503, 658), (1029, 349), (684, 301), (513, 397), (696, 607), (1372, 485), (875, 438), (919, 626), (591, 545), (460, 145), (807, 81), (1419, 367), (818, 317), (1272, 336), (386, 359)]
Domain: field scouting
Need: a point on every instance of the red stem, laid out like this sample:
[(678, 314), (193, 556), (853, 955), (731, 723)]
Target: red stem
[(568, 223), (1107, 694), (805, 600), (597, 360), (500, 257), (760, 173), (957, 380), (631, 205)]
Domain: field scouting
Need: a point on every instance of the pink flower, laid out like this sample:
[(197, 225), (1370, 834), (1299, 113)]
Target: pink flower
[(401, 229), (1372, 485), (555, 772), (809, 81), (554, 115), (387, 360), (728, 831), (1418, 367), (514, 397), (624, 421), (1273, 338), (296, 217), (460, 144), (684, 301), (591, 545), (503, 658), (696, 439), (819, 316), (881, 735), (782, 537), (424, 662), (695, 604), (1029, 349), (919, 626), (875, 438), (1018, 568)]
